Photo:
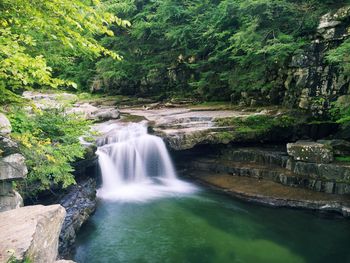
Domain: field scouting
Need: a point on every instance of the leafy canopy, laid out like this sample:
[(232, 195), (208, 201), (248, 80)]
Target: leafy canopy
[(32, 32), (206, 49)]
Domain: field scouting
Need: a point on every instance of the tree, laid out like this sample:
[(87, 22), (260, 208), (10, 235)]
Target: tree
[(37, 31), (206, 49)]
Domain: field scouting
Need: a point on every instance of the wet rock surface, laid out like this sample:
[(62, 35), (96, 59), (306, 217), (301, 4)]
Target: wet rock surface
[(31, 233), (80, 203)]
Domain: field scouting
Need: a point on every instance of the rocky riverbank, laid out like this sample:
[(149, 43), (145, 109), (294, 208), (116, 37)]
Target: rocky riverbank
[(80, 202), (303, 175), (274, 176)]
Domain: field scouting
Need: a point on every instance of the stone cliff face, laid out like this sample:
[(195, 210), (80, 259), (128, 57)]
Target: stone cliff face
[(12, 168), (311, 82)]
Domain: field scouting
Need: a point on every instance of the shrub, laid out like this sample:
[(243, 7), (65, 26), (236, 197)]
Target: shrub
[(49, 140)]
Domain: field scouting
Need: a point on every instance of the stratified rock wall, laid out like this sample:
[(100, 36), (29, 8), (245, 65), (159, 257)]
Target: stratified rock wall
[(311, 82), (12, 168)]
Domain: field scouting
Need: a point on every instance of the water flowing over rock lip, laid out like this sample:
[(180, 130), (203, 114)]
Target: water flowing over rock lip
[(136, 166)]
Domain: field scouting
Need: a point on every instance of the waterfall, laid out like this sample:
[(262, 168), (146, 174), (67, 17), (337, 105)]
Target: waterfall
[(136, 166)]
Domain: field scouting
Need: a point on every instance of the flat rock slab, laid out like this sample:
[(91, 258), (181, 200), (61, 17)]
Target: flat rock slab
[(274, 194), (183, 128), (168, 116), (31, 232)]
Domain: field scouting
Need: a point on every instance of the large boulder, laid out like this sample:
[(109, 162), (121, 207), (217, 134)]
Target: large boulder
[(104, 114), (91, 112), (311, 152), (13, 167), (31, 233), (86, 110), (5, 125)]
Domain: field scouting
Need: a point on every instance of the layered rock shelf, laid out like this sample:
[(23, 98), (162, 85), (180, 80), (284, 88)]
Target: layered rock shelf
[(184, 128), (274, 194), (269, 175)]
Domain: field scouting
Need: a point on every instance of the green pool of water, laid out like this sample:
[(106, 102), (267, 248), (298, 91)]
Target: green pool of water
[(210, 227)]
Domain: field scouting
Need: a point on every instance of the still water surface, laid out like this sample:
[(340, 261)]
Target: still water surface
[(209, 227)]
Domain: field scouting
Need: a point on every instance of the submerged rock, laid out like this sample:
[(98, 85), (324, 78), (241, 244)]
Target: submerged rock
[(80, 203), (31, 233), (311, 152)]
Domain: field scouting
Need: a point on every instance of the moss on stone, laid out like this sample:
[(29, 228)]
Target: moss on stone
[(258, 124), (345, 159), (132, 118)]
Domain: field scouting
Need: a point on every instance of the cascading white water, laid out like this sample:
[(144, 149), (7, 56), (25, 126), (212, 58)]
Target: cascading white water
[(136, 166)]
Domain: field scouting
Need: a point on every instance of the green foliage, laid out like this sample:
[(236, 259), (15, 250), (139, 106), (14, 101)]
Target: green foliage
[(340, 113), (206, 49), (40, 37), (345, 159), (13, 259), (49, 141), (341, 57)]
